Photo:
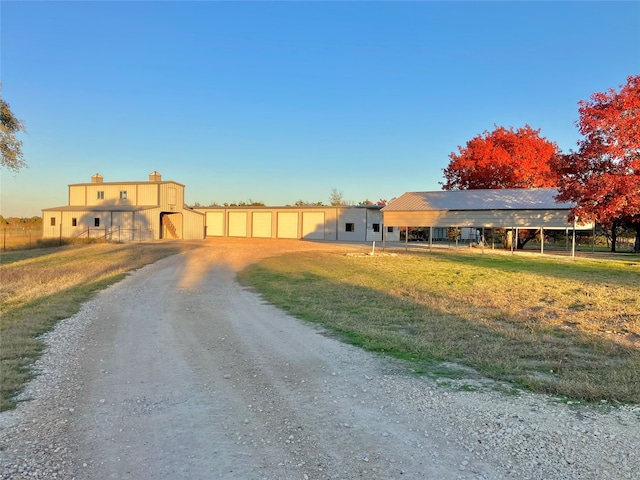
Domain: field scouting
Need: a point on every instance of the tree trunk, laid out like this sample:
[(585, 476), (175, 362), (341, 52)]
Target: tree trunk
[(614, 236), (636, 245), (529, 235)]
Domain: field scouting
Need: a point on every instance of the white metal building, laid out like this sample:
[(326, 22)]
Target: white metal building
[(341, 223), (125, 211)]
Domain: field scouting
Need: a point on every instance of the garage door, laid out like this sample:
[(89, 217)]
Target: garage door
[(261, 224), (237, 224), (215, 224), (287, 224), (313, 225)]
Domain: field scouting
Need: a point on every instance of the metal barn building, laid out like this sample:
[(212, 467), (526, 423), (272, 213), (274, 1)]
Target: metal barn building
[(341, 223), (534, 208), (125, 211)]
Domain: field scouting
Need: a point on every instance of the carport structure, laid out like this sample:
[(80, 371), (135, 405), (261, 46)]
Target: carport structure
[(517, 208)]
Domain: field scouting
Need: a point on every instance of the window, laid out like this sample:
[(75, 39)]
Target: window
[(100, 194), (53, 221), (123, 194), (350, 227), (96, 222), (389, 229), (74, 222), (376, 227)]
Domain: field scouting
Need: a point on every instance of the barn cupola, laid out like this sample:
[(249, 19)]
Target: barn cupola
[(155, 177), (97, 178)]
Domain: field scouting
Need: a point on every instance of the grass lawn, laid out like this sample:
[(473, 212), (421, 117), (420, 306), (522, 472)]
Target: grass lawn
[(42, 286), (557, 325)]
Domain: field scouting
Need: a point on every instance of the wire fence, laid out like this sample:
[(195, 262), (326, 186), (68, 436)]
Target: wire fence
[(26, 237)]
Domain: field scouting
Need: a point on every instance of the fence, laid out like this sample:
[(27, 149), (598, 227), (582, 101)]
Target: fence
[(118, 234), (20, 236), (25, 237)]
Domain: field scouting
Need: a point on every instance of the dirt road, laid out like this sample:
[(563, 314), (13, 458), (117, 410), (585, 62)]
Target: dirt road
[(180, 373), (192, 376)]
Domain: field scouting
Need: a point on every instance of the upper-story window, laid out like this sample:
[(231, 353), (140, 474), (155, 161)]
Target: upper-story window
[(100, 194), (123, 194)]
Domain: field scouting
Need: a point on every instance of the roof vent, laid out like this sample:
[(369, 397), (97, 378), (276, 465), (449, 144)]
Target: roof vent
[(155, 177), (97, 178)]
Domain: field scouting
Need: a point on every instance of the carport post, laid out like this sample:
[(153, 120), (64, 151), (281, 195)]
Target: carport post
[(482, 239), (406, 238), (573, 240), (541, 240), (430, 237)]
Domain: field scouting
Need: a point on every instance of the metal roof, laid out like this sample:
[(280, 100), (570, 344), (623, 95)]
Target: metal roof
[(100, 208), (137, 182), (491, 199)]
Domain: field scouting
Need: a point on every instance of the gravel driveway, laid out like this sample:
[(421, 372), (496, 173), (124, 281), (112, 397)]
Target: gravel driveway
[(178, 372)]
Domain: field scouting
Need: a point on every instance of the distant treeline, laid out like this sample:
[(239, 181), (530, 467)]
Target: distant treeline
[(22, 222)]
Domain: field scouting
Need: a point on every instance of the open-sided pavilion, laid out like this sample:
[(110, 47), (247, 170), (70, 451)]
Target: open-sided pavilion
[(518, 208)]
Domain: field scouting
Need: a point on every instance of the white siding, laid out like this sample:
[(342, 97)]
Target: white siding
[(147, 194), (77, 195), (479, 218), (192, 225), (374, 222), (355, 218)]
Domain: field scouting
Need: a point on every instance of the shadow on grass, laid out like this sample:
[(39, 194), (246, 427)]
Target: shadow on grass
[(542, 359)]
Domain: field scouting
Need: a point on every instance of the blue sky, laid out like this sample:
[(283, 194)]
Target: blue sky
[(283, 101)]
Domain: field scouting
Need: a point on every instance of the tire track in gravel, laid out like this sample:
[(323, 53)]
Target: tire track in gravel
[(179, 372)]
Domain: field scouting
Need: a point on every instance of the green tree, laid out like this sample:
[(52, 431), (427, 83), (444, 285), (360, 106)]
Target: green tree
[(10, 146)]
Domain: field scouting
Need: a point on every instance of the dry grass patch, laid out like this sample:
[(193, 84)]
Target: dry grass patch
[(40, 287), (550, 324)]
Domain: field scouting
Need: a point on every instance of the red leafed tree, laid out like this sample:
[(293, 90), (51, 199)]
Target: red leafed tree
[(603, 176), (503, 158)]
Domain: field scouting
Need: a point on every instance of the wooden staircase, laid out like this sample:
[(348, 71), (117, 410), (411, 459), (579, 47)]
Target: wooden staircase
[(170, 228)]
